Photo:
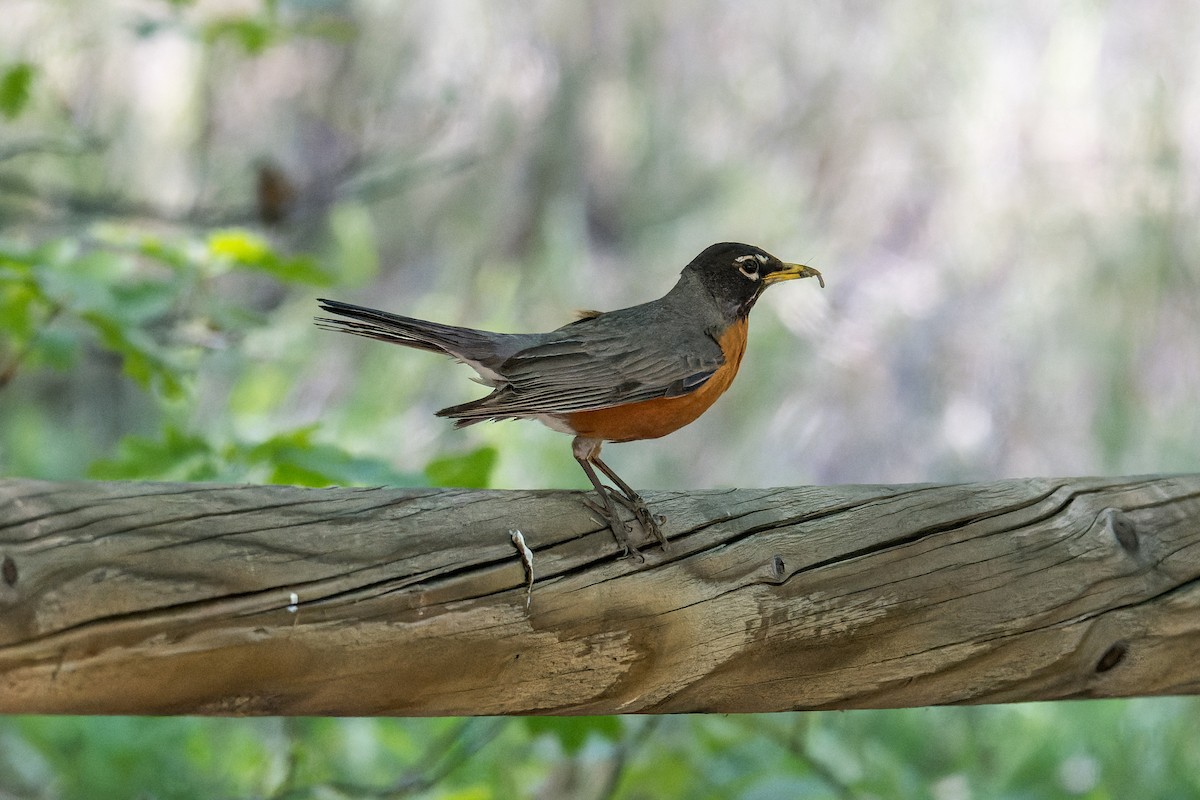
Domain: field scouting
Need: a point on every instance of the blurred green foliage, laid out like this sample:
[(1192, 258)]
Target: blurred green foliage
[(1104, 750), (16, 81), (154, 304), (1010, 247)]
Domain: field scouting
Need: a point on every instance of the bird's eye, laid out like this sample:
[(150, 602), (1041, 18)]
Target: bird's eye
[(748, 266)]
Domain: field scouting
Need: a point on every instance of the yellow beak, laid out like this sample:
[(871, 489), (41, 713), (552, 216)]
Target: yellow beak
[(791, 272)]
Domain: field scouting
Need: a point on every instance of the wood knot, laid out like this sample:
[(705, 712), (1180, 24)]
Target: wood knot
[(777, 567), (9, 571), (1112, 657), (1124, 530)]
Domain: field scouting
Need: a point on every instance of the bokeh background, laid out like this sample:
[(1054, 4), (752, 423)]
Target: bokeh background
[(1003, 198)]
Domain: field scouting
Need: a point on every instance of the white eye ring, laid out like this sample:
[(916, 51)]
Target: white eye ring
[(748, 265)]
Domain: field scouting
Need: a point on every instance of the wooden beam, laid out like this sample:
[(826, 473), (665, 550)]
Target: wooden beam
[(155, 598)]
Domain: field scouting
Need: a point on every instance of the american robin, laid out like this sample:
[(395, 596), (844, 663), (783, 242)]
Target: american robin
[(616, 376)]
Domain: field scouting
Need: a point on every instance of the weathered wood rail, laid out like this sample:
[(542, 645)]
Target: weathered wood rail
[(154, 598)]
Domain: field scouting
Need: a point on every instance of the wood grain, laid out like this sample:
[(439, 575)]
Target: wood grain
[(152, 598)]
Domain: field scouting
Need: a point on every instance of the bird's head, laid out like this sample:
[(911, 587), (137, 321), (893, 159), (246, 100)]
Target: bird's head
[(736, 274)]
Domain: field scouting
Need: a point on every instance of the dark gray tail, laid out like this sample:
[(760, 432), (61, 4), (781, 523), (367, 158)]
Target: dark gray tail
[(465, 344)]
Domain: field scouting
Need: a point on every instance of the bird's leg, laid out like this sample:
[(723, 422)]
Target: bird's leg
[(631, 499), (584, 451)]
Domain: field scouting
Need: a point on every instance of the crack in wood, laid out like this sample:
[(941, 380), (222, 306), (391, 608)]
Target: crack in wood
[(72, 487)]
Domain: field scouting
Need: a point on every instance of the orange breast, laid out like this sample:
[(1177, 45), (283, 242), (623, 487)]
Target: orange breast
[(650, 419)]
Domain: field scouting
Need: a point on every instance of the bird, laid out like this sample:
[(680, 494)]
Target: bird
[(616, 376)]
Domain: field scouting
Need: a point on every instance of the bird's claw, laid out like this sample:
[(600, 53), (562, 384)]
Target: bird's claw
[(620, 530), (650, 523)]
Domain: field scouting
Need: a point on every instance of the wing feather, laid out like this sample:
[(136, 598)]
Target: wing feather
[(611, 367)]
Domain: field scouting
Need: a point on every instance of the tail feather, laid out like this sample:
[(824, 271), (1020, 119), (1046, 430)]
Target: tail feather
[(471, 413), (410, 332), (479, 349)]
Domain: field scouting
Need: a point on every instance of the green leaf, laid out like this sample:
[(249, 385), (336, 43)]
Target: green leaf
[(25, 317), (140, 356), (572, 732), (143, 300), (470, 471), (54, 347), (295, 459), (175, 456), (19, 306), (14, 258), (252, 35), (82, 283), (239, 246), (250, 251), (15, 84), (298, 269), (179, 256), (174, 255)]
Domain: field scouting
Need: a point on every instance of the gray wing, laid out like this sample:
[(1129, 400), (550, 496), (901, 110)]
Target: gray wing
[(593, 364)]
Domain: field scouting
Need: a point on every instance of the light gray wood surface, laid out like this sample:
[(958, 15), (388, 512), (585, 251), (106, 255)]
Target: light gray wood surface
[(155, 598)]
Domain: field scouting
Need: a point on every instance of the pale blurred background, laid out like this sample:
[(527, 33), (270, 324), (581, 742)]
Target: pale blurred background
[(1004, 199)]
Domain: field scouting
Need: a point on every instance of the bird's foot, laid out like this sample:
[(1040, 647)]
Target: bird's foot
[(620, 530), (651, 523), (587, 453)]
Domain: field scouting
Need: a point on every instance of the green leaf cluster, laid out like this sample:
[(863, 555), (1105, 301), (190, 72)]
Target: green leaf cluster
[(152, 302), (160, 307), (59, 298), (291, 457)]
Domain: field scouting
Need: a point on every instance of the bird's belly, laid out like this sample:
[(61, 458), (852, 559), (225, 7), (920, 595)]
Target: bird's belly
[(650, 419), (555, 422)]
